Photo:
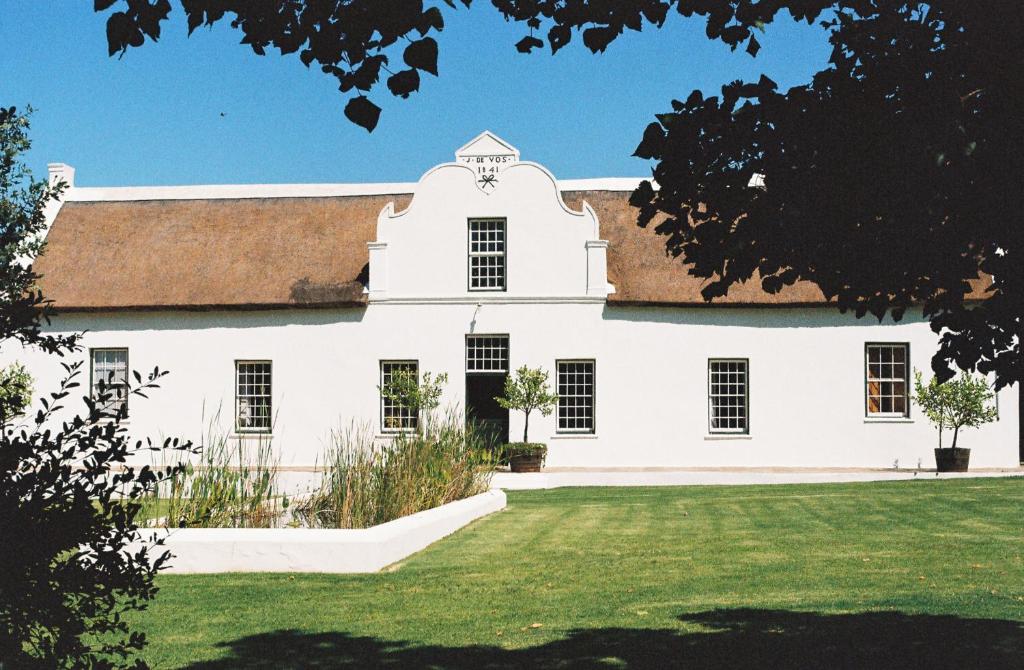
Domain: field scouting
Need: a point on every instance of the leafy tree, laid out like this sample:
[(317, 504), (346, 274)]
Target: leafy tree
[(962, 402), (15, 391), (23, 202), (70, 562), (527, 391), (891, 179), (353, 41), (420, 396)]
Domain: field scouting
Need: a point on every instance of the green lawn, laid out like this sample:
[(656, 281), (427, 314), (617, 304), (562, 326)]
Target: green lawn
[(893, 575)]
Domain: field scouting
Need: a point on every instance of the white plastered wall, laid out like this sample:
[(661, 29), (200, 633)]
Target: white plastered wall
[(806, 377)]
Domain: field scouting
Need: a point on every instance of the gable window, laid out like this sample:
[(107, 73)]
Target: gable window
[(109, 377), (885, 369), (396, 416), (575, 396), (487, 254), (253, 396), (728, 397)]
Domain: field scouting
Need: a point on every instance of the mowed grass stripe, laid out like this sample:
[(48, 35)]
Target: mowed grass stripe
[(802, 575)]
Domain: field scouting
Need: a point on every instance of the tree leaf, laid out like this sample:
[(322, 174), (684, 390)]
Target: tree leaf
[(422, 55), (559, 36), (527, 44), (598, 38), (753, 46), (119, 28), (405, 82), (431, 18), (362, 112)]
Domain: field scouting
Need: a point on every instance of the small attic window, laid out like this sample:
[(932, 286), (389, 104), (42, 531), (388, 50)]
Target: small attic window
[(487, 254)]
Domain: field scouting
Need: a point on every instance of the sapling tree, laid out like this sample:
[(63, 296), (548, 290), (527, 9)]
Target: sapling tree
[(961, 402), (420, 395), (527, 391)]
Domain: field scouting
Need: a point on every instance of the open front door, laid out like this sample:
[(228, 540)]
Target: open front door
[(482, 408), (486, 369)]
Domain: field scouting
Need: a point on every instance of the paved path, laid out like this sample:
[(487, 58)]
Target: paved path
[(558, 477)]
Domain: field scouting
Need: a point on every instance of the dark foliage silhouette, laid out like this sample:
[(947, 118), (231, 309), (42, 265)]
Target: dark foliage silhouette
[(892, 180), (69, 570), (739, 638), (22, 219)]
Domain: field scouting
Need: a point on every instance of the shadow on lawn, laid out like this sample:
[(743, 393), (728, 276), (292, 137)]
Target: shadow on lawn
[(734, 638)]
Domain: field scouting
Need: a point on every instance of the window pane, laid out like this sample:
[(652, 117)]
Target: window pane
[(253, 409), (575, 384), (886, 379), (727, 396), (487, 254), (396, 415), (110, 377)]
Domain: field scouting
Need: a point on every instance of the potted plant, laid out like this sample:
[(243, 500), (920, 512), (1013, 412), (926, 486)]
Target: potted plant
[(958, 403), (527, 391)]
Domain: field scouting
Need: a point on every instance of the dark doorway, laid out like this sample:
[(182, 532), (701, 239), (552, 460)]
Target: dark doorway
[(483, 409), (486, 369)]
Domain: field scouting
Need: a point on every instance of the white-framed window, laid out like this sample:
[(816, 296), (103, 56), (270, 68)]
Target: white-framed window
[(396, 417), (487, 254), (487, 353), (575, 388), (109, 376), (253, 387), (728, 395), (886, 388)]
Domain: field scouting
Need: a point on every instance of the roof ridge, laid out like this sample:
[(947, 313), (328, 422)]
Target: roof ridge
[(243, 191)]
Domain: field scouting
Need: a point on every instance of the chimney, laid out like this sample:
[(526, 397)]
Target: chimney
[(61, 172)]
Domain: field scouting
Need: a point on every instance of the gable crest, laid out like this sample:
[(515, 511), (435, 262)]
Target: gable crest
[(487, 155)]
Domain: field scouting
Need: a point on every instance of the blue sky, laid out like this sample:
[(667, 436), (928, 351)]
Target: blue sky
[(155, 116)]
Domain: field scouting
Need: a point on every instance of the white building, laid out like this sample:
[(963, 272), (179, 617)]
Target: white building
[(285, 305)]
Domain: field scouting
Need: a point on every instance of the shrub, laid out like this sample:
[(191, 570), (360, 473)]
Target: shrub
[(68, 513), (15, 391), (961, 402), (368, 483)]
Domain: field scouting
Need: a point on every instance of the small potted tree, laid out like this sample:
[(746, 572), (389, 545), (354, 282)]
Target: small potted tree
[(419, 396), (527, 391), (962, 402)]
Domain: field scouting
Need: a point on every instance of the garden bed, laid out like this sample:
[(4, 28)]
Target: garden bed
[(330, 550)]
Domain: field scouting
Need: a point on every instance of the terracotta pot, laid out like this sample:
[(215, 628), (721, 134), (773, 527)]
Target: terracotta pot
[(526, 463), (952, 460)]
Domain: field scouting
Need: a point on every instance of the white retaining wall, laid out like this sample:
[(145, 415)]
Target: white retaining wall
[(212, 550)]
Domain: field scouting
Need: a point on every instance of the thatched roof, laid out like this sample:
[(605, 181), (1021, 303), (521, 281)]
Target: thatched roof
[(232, 253), (250, 253)]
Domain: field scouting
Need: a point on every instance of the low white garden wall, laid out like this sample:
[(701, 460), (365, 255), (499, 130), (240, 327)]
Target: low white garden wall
[(209, 550)]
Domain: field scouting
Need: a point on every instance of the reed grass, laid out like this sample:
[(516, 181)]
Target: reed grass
[(233, 485), (367, 482)]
